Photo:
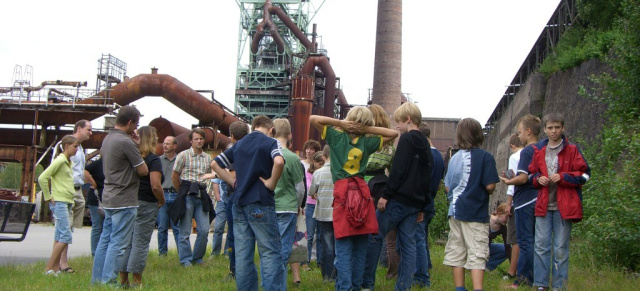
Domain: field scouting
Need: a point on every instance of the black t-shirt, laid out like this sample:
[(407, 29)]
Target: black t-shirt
[(95, 170), (155, 165)]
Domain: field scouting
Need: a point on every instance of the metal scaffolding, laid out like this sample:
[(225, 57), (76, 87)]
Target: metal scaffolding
[(263, 79)]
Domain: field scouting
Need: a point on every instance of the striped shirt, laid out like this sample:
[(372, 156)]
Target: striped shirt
[(322, 185), (192, 166)]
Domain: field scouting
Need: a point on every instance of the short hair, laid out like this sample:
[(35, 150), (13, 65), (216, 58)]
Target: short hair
[(380, 117), (197, 130), (238, 130), (425, 130), (408, 109), (80, 124), (553, 117), (65, 142), (515, 141), (469, 134), (317, 158), (531, 122), (261, 121), (501, 209), (127, 113), (148, 140), (281, 128), (326, 151), (360, 114), (312, 143)]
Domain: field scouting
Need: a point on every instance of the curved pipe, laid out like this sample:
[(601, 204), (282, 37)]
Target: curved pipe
[(273, 29), (76, 84), (212, 139), (299, 34), (330, 80), (172, 90)]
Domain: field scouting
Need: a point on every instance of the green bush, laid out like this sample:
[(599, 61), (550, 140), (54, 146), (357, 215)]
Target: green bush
[(439, 226)]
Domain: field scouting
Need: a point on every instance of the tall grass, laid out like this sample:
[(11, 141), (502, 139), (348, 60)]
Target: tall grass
[(165, 273)]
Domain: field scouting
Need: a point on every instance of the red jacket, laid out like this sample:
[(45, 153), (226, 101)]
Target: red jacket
[(574, 172), (342, 226)]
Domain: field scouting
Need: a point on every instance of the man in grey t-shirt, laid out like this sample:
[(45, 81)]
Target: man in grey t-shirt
[(123, 166)]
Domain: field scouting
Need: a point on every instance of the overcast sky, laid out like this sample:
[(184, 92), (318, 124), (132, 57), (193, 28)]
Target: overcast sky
[(458, 56)]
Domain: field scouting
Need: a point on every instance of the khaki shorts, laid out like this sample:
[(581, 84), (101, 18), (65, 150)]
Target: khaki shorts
[(512, 239), (468, 245)]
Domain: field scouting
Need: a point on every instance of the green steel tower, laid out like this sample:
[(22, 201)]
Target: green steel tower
[(263, 79)]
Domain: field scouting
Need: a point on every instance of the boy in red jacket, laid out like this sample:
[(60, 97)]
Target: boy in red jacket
[(558, 170)]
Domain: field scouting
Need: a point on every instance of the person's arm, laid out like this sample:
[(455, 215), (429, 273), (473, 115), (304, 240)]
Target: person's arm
[(386, 133), (490, 188), (43, 179), (89, 179), (319, 122), (142, 170), (175, 180), (398, 173), (156, 186), (276, 172), (216, 190), (223, 174)]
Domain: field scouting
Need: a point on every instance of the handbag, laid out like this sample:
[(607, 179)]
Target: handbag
[(299, 252)]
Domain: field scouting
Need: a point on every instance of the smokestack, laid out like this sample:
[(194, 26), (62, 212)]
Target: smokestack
[(387, 72), (154, 70)]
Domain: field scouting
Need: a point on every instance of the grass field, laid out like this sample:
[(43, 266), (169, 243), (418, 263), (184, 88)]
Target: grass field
[(165, 273)]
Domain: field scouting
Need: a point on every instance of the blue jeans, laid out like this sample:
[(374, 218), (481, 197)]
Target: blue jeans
[(193, 210), (351, 253), (552, 230), (525, 224), (311, 233), (255, 223), (403, 218), (218, 228), (497, 255), (116, 236), (62, 212), (326, 236), (229, 245), (423, 258), (96, 227), (287, 230), (164, 221)]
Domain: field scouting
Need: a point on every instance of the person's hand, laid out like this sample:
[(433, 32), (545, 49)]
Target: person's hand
[(351, 126), (505, 180), (382, 204), (269, 183), (509, 208), (160, 203), (135, 137), (208, 176), (555, 178), (53, 202), (543, 180), (420, 217)]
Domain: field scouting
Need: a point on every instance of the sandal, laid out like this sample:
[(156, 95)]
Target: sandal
[(68, 270)]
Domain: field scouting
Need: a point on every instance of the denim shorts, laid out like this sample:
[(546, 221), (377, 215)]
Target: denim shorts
[(62, 211)]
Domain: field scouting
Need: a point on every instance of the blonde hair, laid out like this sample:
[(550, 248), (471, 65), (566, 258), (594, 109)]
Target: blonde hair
[(148, 140), (360, 114), (380, 117), (281, 128), (65, 142), (501, 209), (408, 109), (531, 122)]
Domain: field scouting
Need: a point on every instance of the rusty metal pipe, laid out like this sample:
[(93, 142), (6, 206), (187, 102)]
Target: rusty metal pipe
[(176, 92), (301, 108), (330, 80), (212, 140), (273, 30), (299, 34)]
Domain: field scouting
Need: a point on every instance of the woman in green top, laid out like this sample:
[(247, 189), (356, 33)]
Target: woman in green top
[(56, 183)]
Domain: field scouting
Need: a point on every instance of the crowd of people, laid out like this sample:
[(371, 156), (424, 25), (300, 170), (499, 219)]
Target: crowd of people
[(369, 193)]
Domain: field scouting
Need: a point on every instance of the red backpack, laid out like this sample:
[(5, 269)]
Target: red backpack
[(356, 204)]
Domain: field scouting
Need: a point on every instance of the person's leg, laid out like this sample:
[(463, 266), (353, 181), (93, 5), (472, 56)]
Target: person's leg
[(143, 230), (287, 231), (202, 228), (406, 230), (542, 255), (96, 227), (185, 253), (386, 221), (325, 230), (455, 252), (218, 228), (476, 238), (497, 255), (163, 225), (229, 244), (525, 224), (458, 276), (359, 257), (121, 233), (311, 229), (264, 224), (68, 208), (62, 234), (561, 237), (477, 277), (244, 241), (393, 259), (344, 262), (512, 239), (78, 209), (101, 249), (421, 271)]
